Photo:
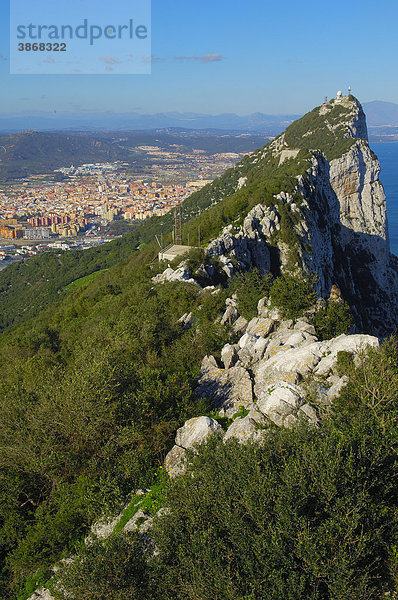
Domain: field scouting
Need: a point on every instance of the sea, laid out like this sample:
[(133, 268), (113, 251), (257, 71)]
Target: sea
[(388, 159)]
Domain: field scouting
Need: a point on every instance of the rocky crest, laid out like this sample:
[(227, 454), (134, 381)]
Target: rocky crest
[(336, 211), (278, 374)]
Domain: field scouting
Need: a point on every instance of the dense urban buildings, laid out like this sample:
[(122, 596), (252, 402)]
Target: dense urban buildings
[(101, 193), (75, 205)]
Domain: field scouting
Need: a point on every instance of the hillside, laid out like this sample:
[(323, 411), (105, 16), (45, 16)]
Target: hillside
[(381, 113), (259, 344), (25, 291), (32, 152)]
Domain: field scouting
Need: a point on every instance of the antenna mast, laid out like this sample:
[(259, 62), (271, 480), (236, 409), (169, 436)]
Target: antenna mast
[(178, 225)]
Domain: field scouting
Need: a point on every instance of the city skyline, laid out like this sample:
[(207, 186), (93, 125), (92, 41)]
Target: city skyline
[(213, 59)]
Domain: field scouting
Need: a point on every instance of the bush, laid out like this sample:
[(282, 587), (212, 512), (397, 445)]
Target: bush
[(333, 320), (293, 295), (345, 363), (193, 259), (250, 287), (114, 568)]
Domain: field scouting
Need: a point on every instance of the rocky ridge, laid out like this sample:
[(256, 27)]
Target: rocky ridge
[(278, 372), (336, 212)]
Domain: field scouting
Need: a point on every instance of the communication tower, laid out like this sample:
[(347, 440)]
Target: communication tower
[(178, 225)]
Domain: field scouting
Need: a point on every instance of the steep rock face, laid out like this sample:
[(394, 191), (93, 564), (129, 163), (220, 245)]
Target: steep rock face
[(354, 179), (345, 226), (338, 209)]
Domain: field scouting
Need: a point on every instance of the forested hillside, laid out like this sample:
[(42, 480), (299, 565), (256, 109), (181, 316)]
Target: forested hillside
[(97, 376)]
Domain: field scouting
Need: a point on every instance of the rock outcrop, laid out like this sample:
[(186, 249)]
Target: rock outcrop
[(274, 372), (230, 388), (42, 594), (247, 245), (193, 433), (344, 226)]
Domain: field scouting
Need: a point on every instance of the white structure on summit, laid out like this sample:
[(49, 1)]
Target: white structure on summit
[(339, 95)]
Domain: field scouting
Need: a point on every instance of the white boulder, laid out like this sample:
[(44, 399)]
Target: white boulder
[(195, 431)]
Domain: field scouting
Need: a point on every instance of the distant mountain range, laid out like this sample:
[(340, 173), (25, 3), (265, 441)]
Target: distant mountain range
[(257, 122), (381, 113), (378, 114)]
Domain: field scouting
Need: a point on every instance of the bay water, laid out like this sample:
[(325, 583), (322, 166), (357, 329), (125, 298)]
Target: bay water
[(388, 158)]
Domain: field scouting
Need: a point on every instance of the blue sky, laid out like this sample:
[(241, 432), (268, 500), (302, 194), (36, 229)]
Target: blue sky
[(222, 56)]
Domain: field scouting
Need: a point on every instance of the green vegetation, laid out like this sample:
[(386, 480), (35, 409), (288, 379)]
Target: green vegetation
[(345, 363), (27, 287), (309, 514), (32, 583), (322, 132), (90, 397), (83, 281), (333, 320), (149, 503), (114, 569), (250, 287), (293, 295)]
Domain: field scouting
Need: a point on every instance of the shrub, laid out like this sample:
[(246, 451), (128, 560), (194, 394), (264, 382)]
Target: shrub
[(193, 259), (293, 295), (345, 363), (333, 320), (114, 568), (250, 287)]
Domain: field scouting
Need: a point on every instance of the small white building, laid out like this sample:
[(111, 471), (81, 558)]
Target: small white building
[(172, 251)]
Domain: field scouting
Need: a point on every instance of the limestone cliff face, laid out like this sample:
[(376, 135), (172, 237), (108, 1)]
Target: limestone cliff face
[(340, 218), (345, 226), (354, 179)]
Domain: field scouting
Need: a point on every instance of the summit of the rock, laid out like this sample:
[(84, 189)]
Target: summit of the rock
[(331, 128), (315, 204)]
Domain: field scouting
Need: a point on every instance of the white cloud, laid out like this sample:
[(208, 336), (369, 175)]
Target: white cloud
[(206, 58), (110, 60)]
